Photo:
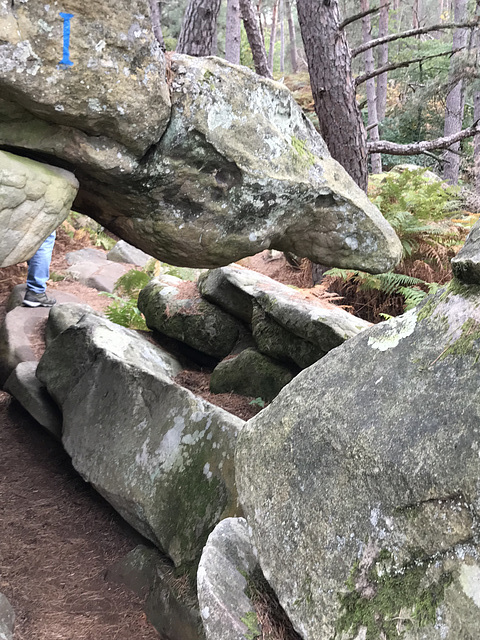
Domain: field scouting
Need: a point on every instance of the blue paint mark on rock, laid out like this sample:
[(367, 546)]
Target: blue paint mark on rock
[(66, 39)]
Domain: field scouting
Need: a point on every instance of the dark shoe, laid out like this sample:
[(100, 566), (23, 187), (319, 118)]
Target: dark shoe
[(32, 299)]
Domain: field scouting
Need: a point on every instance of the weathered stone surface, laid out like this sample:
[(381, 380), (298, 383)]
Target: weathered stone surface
[(7, 619), (250, 374), (466, 264), (17, 295), (160, 455), (170, 603), (62, 316), (185, 316), (25, 387), (34, 199), (228, 557), (91, 268), (360, 481), (124, 252), (116, 84), (324, 326)]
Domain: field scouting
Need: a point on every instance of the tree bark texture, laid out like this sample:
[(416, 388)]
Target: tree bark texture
[(382, 60), (157, 22), (273, 36), (372, 128), (255, 40), (199, 28), (329, 64), (292, 37), (455, 103), (282, 36), (233, 32), (476, 143)]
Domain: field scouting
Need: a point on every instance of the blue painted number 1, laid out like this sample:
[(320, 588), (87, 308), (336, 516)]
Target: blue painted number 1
[(66, 39)]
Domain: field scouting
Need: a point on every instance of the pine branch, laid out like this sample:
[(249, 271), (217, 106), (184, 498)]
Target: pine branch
[(359, 16), (384, 146), (414, 32), (398, 65)]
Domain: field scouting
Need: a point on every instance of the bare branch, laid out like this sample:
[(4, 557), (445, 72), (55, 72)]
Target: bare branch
[(398, 65), (359, 16), (415, 32), (384, 146)]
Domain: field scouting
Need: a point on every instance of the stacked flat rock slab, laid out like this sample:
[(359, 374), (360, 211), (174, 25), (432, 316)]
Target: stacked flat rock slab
[(34, 199), (186, 316), (227, 560), (360, 480), (160, 455), (124, 252), (91, 268), (285, 324)]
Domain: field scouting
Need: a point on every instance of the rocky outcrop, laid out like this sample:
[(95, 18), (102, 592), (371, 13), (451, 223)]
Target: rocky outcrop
[(228, 559), (34, 199), (7, 619), (160, 455), (360, 480), (109, 83), (124, 252), (466, 264)]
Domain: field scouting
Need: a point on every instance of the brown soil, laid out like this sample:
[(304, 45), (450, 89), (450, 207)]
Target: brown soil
[(57, 538)]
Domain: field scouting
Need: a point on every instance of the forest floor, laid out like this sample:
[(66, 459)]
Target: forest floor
[(58, 537)]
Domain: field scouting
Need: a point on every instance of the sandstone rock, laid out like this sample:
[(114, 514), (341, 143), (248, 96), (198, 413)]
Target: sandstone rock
[(325, 327), (91, 268), (227, 558), (360, 480), (7, 619), (15, 299), (160, 455), (185, 316), (170, 602), (62, 316), (124, 252), (34, 199), (466, 264), (250, 374), (24, 386), (115, 85)]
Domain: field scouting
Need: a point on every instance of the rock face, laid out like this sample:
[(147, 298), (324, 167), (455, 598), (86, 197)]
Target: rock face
[(466, 264), (34, 199), (109, 81), (7, 619), (360, 481), (227, 558), (160, 455)]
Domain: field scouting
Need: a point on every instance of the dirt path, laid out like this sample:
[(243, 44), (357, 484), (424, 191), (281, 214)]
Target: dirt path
[(57, 538)]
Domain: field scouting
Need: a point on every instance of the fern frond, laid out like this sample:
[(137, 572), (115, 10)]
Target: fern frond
[(132, 282)]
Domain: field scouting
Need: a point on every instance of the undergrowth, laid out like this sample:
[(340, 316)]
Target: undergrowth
[(123, 310)]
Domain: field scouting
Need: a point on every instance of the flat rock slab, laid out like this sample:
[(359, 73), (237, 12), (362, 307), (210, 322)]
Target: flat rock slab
[(466, 264), (128, 254), (360, 480), (35, 199), (100, 275), (227, 559), (15, 299), (160, 455), (24, 386), (7, 619)]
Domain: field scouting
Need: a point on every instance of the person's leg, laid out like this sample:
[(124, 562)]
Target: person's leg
[(38, 274)]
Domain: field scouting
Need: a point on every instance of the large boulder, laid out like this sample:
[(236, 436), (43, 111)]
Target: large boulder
[(112, 81), (466, 264), (160, 455), (34, 199), (360, 481)]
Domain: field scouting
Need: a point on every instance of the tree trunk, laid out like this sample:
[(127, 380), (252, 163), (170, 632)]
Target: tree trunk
[(455, 100), (273, 35), (199, 28), (382, 60), (233, 32), (293, 38), (375, 158), (329, 64), (282, 36), (252, 28), (155, 14)]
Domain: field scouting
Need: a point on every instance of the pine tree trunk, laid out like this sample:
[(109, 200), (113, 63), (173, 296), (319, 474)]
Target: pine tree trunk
[(455, 103), (375, 158), (329, 64), (282, 36), (155, 15), (233, 32), (273, 36), (293, 38), (252, 28), (199, 28), (382, 59)]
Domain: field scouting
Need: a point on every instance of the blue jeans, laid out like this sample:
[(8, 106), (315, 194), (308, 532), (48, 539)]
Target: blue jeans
[(39, 266)]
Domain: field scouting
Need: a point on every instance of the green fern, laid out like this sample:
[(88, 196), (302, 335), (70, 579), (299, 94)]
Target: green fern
[(125, 313), (132, 282)]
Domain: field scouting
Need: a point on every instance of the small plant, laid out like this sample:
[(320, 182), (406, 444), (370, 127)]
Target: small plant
[(259, 402), (123, 310)]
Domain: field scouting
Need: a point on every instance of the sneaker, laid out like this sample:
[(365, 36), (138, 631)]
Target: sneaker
[(32, 299)]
